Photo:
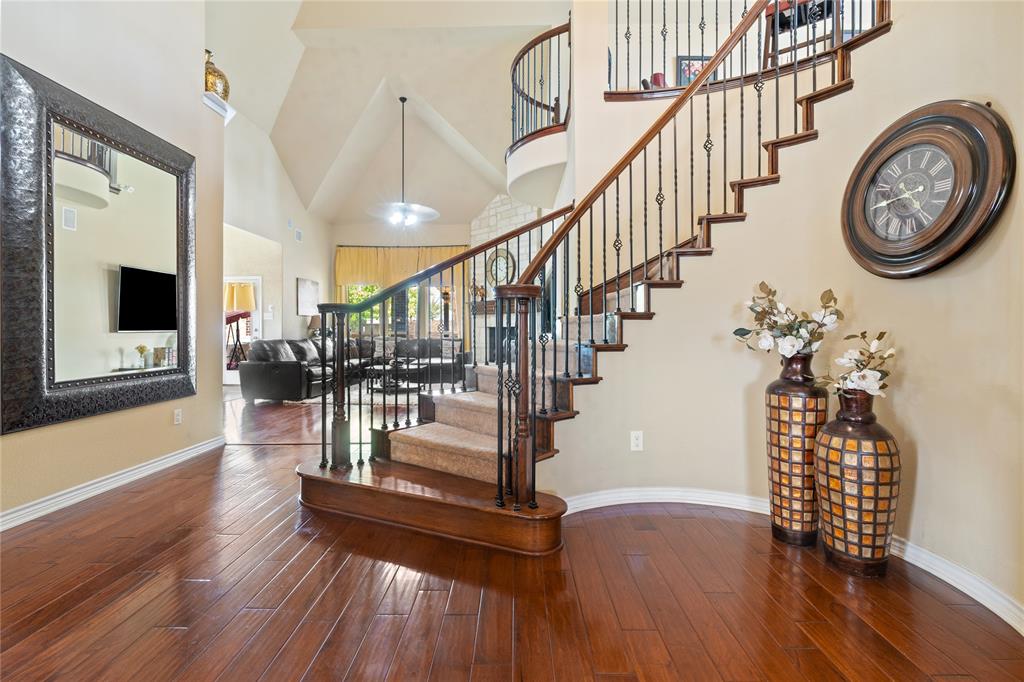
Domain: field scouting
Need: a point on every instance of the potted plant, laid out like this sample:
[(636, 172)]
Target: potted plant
[(857, 463), (795, 408)]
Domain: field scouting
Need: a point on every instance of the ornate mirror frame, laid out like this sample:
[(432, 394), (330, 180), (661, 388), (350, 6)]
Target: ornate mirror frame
[(30, 395)]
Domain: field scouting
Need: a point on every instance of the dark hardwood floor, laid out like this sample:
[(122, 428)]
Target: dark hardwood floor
[(211, 570)]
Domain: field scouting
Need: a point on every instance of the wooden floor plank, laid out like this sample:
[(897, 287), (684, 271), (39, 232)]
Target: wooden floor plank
[(211, 569)]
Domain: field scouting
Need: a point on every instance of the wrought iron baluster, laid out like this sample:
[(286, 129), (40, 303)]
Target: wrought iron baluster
[(776, 56), (813, 14), (632, 259), (323, 372), (614, 83), (659, 199), (675, 184), (640, 42), (565, 303), (759, 88), (360, 375), (653, 39), (472, 324), (743, 71), (643, 268), (430, 323), (617, 245), (384, 367), (604, 268), (794, 61), (544, 302), (499, 331), (590, 291), (533, 403), (579, 302), (511, 414), (627, 36), (408, 363), (450, 324), (396, 378), (664, 42)]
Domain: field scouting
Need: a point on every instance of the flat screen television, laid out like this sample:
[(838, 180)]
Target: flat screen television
[(147, 301)]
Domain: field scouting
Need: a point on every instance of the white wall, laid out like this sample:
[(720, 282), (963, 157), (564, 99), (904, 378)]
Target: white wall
[(260, 198), (955, 405), (136, 229), (147, 68)]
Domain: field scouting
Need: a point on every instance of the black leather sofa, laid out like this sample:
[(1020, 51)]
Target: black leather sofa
[(282, 369)]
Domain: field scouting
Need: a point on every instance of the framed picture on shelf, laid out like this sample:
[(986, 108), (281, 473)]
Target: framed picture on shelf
[(688, 66)]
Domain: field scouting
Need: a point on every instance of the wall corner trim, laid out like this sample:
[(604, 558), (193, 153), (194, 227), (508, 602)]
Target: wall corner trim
[(974, 586), (51, 503)]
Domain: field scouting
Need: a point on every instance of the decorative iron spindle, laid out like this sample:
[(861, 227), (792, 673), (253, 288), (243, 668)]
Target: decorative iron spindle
[(590, 291), (604, 270), (659, 198), (632, 287), (499, 498), (617, 244)]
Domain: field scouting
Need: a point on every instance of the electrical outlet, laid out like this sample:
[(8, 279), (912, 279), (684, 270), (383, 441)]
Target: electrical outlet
[(636, 441), (177, 416)]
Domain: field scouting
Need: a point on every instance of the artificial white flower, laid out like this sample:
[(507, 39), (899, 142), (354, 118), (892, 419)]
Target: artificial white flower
[(889, 353), (827, 320), (815, 346), (765, 341), (804, 334), (849, 358), (790, 346), (874, 345), (867, 380)]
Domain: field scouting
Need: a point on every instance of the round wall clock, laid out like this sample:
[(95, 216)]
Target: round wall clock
[(928, 188), (500, 267)]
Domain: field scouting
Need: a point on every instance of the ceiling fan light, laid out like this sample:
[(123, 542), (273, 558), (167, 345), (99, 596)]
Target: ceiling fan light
[(410, 219), (395, 218)]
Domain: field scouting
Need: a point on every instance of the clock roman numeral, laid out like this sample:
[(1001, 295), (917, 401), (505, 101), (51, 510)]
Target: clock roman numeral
[(927, 155), (943, 185), (909, 226), (894, 170), (894, 226), (882, 187), (934, 170)]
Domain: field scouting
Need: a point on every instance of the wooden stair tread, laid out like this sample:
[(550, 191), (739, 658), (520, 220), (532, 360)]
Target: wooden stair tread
[(791, 140), (756, 181), (433, 502), (826, 92), (692, 251), (661, 283), (634, 315), (580, 380), (558, 415), (609, 347), (722, 218)]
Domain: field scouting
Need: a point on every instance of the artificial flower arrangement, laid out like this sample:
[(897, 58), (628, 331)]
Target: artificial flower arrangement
[(142, 349), (865, 367), (778, 326)]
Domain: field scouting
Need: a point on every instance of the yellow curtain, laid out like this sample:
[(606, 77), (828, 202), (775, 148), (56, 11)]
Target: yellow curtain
[(384, 265), (239, 296)]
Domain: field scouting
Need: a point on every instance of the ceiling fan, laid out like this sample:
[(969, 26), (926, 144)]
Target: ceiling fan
[(402, 212)]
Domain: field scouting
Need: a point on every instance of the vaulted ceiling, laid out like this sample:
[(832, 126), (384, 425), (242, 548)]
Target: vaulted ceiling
[(322, 79)]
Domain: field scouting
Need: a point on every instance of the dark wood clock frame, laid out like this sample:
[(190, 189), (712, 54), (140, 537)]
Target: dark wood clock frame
[(980, 146)]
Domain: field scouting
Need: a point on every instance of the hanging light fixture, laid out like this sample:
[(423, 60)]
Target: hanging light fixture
[(402, 212)]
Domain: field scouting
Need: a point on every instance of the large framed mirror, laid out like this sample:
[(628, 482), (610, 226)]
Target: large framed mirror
[(97, 293)]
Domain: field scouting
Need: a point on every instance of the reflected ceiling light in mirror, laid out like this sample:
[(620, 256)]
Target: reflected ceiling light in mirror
[(402, 212)]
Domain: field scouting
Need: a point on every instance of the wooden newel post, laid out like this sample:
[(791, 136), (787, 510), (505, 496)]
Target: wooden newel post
[(522, 452)]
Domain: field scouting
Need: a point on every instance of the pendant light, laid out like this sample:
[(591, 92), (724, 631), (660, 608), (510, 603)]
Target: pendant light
[(402, 212)]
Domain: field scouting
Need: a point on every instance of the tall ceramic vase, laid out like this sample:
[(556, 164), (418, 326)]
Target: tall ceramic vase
[(795, 409), (857, 466)]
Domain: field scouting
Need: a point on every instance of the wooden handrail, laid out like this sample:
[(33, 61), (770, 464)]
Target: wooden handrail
[(537, 40), (533, 269), (390, 291)]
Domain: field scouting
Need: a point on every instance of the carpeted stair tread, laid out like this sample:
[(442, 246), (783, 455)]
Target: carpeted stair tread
[(447, 437), (475, 411), (471, 400)]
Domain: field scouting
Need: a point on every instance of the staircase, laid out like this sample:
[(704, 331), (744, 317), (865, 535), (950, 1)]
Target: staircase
[(467, 467)]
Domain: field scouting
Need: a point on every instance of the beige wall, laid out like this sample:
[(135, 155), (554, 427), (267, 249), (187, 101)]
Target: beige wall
[(955, 404), (250, 255), (260, 198), (149, 69), (382, 233)]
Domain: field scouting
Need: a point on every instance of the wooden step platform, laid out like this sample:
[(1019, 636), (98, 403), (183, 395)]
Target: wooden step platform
[(433, 502)]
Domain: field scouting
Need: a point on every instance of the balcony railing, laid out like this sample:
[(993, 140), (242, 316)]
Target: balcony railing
[(658, 46), (541, 85)]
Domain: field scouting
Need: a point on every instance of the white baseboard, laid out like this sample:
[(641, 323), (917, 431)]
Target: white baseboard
[(51, 503), (974, 586)]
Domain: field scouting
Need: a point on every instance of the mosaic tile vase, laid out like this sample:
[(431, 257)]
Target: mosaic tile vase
[(857, 467), (794, 409)]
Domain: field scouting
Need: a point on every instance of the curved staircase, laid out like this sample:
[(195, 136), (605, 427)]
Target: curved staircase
[(467, 468)]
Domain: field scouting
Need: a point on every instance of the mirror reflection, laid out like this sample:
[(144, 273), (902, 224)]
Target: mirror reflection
[(115, 261)]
